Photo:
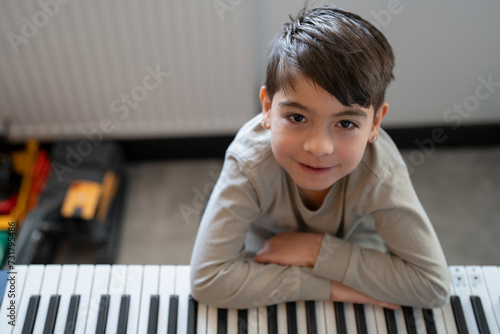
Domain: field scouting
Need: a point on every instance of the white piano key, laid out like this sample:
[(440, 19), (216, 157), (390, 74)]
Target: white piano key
[(65, 289), (201, 325), (462, 290), (232, 321), (419, 321), (282, 322), (83, 288), (380, 318), (320, 317), (166, 288), (439, 319), (330, 318), (182, 289), (211, 320), (492, 279), (133, 289), (371, 322), (100, 285), (350, 318), (116, 289), (12, 297), (262, 315), (253, 321), (151, 276), (301, 317), (49, 287), (478, 288), (32, 286), (400, 321)]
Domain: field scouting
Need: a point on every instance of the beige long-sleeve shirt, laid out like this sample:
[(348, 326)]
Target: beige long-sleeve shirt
[(254, 199)]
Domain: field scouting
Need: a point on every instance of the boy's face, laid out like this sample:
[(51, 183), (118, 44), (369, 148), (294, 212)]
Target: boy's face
[(315, 138)]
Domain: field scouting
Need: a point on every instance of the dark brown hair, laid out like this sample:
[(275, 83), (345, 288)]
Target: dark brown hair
[(339, 51)]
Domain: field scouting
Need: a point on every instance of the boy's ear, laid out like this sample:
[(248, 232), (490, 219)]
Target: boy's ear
[(266, 107), (377, 120)]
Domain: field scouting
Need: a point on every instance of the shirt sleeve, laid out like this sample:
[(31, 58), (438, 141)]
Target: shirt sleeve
[(221, 275), (414, 271)]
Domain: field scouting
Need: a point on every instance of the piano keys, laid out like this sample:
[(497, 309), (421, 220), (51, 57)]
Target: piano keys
[(156, 299)]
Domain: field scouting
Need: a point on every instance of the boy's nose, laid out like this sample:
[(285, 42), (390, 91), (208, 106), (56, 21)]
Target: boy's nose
[(319, 144)]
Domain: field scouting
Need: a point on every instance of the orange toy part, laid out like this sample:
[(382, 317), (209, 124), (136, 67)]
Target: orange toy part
[(82, 199), (23, 162)]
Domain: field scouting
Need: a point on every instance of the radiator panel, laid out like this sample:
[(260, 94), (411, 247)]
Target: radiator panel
[(71, 68)]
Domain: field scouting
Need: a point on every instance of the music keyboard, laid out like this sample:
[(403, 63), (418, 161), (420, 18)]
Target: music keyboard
[(156, 299)]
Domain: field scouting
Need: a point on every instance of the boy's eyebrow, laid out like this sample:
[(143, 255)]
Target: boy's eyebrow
[(350, 112), (353, 112), (293, 105)]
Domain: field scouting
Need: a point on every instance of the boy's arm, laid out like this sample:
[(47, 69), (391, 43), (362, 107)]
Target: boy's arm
[(413, 272), (221, 274), (301, 249)]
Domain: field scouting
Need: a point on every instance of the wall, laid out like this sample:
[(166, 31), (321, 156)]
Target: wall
[(66, 65)]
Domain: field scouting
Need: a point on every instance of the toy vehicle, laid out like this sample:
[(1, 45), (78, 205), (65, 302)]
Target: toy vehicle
[(23, 173), (80, 206)]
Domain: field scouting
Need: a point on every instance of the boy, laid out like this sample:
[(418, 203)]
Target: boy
[(314, 201)]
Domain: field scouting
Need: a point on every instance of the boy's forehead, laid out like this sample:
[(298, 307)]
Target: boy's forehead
[(307, 95), (303, 86)]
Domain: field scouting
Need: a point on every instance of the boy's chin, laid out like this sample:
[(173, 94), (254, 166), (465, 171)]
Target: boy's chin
[(310, 186)]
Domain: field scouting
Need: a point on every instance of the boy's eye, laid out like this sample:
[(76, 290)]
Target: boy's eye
[(297, 118), (347, 124)]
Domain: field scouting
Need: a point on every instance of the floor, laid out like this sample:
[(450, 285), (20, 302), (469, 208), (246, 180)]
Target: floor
[(460, 189)]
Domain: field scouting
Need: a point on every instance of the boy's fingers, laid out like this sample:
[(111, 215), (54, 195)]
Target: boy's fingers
[(388, 305), (260, 258), (377, 302), (343, 293)]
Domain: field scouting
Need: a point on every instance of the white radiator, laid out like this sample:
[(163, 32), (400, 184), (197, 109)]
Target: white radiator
[(122, 69)]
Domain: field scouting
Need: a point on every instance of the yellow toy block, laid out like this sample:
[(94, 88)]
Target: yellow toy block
[(82, 199)]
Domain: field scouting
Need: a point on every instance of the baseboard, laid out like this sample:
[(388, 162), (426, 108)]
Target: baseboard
[(446, 136), (176, 148), (405, 138)]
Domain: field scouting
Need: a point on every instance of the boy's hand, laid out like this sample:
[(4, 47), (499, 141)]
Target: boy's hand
[(301, 249), (291, 249), (342, 293)]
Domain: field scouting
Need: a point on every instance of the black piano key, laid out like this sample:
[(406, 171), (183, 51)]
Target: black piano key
[(291, 317), (272, 319), (311, 317), (482, 323), (458, 313), (221, 321), (359, 311), (340, 316), (29, 321), (242, 321), (123, 315), (102, 315), (430, 324), (390, 320), (74, 302), (50, 321), (172, 314), (409, 315), (192, 315), (154, 305)]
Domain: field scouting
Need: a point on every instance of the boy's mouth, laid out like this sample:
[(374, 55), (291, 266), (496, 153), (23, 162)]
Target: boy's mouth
[(314, 169)]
